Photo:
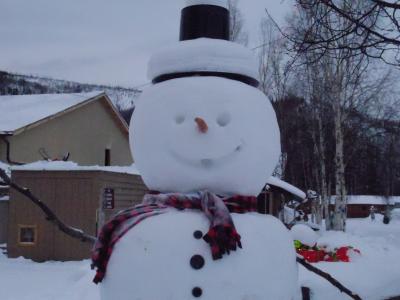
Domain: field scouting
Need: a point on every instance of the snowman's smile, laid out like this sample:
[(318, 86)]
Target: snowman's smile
[(208, 162)]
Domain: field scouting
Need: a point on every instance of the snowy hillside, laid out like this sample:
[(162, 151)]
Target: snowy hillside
[(15, 84)]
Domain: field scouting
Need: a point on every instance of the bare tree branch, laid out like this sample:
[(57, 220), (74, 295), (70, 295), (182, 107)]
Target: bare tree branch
[(366, 28), (328, 277)]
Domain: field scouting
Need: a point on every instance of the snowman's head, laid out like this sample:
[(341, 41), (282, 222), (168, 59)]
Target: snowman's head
[(203, 125)]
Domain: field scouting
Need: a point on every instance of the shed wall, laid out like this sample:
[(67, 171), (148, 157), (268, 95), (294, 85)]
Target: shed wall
[(76, 197), (3, 221), (128, 191)]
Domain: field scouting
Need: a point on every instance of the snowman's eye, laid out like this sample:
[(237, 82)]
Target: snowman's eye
[(179, 119), (223, 119)]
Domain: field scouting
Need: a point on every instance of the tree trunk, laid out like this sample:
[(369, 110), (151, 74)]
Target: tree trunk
[(340, 213)]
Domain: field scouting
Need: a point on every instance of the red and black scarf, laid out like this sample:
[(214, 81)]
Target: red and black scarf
[(222, 236)]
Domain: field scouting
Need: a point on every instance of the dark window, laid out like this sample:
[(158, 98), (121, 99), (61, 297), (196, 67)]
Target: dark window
[(107, 157), (27, 234)]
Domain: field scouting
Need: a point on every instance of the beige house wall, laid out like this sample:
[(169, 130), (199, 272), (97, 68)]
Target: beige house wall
[(85, 132)]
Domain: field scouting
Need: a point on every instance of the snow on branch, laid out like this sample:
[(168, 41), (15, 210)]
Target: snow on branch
[(328, 277)]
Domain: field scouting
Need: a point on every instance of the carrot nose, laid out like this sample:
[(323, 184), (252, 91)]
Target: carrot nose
[(201, 125)]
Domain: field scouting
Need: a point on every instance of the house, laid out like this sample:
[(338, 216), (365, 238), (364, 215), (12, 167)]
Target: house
[(359, 206), (84, 197), (85, 128), (276, 194)]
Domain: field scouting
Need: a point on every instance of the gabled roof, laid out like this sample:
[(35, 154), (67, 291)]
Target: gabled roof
[(286, 186), (17, 113)]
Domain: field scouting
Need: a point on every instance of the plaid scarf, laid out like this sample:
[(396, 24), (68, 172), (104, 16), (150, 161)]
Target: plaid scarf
[(222, 236)]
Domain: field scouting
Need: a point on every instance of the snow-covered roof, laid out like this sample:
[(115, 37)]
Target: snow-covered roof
[(286, 186), (4, 198), (17, 112), (369, 200), (72, 166)]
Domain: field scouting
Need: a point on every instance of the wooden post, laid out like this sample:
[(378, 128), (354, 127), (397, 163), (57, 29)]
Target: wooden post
[(306, 293)]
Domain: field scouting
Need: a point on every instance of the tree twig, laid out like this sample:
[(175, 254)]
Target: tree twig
[(50, 215), (328, 277)]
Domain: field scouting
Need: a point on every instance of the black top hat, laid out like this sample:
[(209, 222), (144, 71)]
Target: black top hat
[(204, 21)]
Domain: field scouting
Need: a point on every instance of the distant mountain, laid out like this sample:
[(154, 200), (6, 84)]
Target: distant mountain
[(16, 84)]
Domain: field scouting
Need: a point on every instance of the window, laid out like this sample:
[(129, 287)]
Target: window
[(107, 157), (27, 235)]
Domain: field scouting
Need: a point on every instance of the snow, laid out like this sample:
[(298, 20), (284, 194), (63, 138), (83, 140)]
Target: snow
[(204, 54), (4, 198), (22, 279), (222, 3), (304, 234), (375, 275), (6, 168), (19, 111), (231, 158), (162, 246), (72, 166), (370, 200), (286, 186)]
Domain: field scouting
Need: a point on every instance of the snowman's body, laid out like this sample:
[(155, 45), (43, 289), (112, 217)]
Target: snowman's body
[(203, 126), (152, 262)]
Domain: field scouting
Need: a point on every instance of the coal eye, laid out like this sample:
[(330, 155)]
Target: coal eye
[(180, 119), (223, 119)]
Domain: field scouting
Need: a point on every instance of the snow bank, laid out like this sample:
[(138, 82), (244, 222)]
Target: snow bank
[(22, 279), (286, 186), (222, 3), (72, 166), (19, 111), (373, 275), (304, 234), (207, 55)]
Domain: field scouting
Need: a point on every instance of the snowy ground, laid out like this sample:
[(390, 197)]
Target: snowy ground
[(376, 275)]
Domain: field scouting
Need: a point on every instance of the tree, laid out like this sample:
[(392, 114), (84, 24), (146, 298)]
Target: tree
[(334, 83), (372, 28), (237, 33)]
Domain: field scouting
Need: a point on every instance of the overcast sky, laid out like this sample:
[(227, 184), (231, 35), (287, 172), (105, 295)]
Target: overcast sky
[(99, 41)]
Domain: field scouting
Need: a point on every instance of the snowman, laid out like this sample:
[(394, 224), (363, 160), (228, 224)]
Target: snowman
[(205, 140)]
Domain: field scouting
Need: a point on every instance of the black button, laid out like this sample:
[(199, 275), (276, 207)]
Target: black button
[(197, 262), (197, 292), (198, 234)]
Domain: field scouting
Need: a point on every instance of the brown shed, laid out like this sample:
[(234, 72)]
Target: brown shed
[(3, 218), (83, 198), (275, 194)]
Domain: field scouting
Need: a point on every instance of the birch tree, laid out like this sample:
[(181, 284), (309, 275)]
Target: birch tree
[(237, 33), (347, 85)]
